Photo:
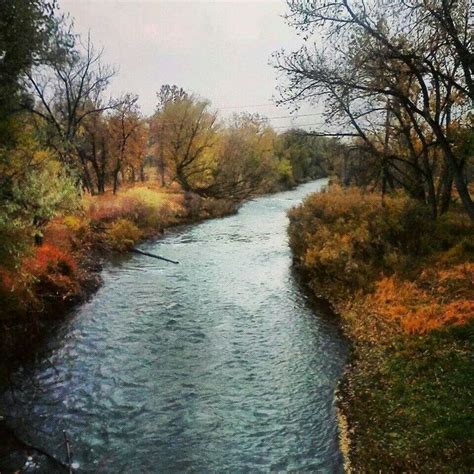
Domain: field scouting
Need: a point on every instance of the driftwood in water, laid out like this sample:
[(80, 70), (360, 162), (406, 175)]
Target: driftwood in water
[(68, 451), (141, 252)]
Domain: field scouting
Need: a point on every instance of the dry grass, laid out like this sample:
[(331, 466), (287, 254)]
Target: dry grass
[(105, 223), (404, 288)]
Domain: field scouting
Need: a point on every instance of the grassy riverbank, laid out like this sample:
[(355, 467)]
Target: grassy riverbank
[(403, 287), (65, 269)]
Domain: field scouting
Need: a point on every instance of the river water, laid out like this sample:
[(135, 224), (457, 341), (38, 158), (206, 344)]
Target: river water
[(218, 364)]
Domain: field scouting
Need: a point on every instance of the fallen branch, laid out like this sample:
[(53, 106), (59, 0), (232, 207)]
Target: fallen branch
[(141, 252), (68, 451)]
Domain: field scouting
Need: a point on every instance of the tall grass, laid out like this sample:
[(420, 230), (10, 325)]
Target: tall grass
[(404, 288)]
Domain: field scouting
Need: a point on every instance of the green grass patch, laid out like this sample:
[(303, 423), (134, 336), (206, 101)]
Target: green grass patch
[(413, 408)]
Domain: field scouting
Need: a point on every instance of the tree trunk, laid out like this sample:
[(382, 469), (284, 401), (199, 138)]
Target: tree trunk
[(463, 192), (431, 194), (161, 163), (116, 173), (446, 190), (87, 179), (461, 185)]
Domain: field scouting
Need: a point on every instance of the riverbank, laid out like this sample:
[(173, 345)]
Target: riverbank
[(167, 356), (65, 269), (403, 288)]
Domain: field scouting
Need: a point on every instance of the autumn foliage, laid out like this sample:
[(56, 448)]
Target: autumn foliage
[(403, 286), (435, 299), (53, 272), (48, 275), (58, 271), (405, 268)]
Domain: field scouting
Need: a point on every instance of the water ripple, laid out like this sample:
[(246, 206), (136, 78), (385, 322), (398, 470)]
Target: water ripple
[(215, 365)]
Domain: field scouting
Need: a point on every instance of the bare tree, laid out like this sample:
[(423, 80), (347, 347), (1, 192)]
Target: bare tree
[(67, 90), (125, 123), (93, 146), (169, 93), (374, 53)]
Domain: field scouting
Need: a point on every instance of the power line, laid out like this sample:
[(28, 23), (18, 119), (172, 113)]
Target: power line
[(291, 116), (291, 125), (275, 117), (264, 119), (297, 125), (268, 104)]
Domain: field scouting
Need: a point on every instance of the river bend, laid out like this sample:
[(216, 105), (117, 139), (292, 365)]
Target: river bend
[(218, 364)]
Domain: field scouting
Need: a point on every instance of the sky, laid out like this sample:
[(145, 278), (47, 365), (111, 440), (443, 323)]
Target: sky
[(219, 50)]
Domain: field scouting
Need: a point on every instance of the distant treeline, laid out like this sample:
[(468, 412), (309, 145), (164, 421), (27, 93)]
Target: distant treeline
[(62, 134)]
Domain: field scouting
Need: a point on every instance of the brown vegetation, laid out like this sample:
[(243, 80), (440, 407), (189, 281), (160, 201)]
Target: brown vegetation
[(404, 288), (64, 269)]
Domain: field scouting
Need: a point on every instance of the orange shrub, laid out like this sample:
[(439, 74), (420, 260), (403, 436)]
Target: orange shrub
[(53, 273), (49, 259), (6, 280), (123, 234), (346, 238), (218, 207), (144, 207), (111, 208), (437, 298), (385, 262)]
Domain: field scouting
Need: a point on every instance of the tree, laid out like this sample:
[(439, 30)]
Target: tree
[(126, 128), (169, 93), (244, 161), (188, 133), (452, 19), (93, 146), (33, 188), (68, 90), (379, 61), (27, 28), (136, 152), (308, 155)]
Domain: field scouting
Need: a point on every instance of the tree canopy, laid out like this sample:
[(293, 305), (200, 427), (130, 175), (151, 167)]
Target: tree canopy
[(397, 76)]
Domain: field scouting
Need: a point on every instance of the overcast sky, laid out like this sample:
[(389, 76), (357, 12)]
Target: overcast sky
[(219, 50)]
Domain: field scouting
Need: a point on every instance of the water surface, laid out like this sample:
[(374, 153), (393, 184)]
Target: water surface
[(214, 365)]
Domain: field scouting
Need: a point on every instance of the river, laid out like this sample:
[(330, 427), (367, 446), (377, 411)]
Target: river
[(218, 364)]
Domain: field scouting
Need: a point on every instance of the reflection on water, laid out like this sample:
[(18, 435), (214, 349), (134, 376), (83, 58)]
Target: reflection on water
[(214, 365)]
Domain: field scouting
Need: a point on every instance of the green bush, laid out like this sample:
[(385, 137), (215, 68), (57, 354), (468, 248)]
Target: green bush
[(122, 234)]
